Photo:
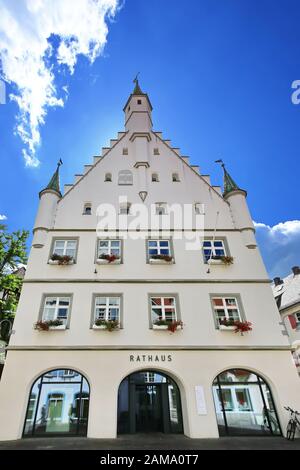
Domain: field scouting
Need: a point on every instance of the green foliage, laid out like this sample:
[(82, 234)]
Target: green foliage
[(12, 254)]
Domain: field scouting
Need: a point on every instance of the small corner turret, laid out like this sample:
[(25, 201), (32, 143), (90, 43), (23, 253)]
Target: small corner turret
[(49, 197), (236, 197)]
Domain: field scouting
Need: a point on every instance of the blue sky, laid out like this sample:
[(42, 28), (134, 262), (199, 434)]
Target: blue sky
[(219, 75)]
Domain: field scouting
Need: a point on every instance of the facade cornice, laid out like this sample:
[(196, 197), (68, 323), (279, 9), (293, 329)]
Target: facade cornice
[(149, 348), (145, 230), (146, 281)]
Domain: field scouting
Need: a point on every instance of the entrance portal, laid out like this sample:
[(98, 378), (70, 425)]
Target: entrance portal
[(148, 402)]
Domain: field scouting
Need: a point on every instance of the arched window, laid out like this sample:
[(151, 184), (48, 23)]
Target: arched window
[(108, 178), (125, 178), (244, 404), (58, 404)]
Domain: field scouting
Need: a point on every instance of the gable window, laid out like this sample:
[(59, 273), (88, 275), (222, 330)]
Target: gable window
[(125, 151), (125, 178), (161, 208), (56, 308), (108, 178), (155, 178), (199, 208), (87, 209), (65, 248), (156, 151), (213, 248), (163, 309), (125, 208), (226, 308), (139, 101), (175, 178), (107, 308), (109, 247)]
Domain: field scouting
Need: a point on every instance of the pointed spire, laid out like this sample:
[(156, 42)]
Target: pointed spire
[(137, 89), (229, 184), (53, 184)]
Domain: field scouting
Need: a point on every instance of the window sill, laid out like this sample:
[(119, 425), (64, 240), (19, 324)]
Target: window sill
[(103, 327), (105, 261), (226, 328), (57, 263), (216, 261), (160, 261), (60, 327), (163, 327)]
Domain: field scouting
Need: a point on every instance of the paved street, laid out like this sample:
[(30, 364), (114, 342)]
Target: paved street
[(152, 442)]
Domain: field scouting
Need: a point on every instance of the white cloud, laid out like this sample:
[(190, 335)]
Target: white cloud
[(279, 246), (3, 217), (26, 53)]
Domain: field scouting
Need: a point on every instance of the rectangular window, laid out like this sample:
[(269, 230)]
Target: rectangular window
[(163, 308), (161, 208), (226, 308), (125, 208), (65, 248), (213, 249), (243, 399), (56, 308), (107, 308), (109, 247), (159, 247)]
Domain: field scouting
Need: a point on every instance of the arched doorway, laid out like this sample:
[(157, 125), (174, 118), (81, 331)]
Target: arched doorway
[(149, 401), (58, 405), (244, 404)]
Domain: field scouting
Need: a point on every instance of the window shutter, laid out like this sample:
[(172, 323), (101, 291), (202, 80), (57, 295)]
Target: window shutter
[(293, 321)]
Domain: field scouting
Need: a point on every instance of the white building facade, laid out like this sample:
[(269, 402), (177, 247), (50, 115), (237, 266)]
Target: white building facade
[(287, 295), (130, 330)]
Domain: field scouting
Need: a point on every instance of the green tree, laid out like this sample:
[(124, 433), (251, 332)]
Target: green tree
[(12, 254)]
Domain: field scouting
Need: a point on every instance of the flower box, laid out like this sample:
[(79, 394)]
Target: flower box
[(56, 262), (160, 261), (160, 327), (170, 326), (223, 260), (99, 327), (60, 327), (226, 328), (106, 261)]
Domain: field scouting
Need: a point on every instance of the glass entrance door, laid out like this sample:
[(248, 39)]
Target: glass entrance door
[(148, 408)]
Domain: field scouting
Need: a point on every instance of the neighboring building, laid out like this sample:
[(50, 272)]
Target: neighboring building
[(7, 323), (287, 295), (203, 380)]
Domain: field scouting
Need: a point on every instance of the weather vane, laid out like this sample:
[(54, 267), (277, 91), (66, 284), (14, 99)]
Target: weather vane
[(60, 162), (136, 78), (221, 162)]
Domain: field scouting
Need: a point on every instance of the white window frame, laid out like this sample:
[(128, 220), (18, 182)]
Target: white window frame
[(65, 248), (108, 305), (56, 308), (213, 248), (163, 308), (226, 308), (109, 247), (158, 247)]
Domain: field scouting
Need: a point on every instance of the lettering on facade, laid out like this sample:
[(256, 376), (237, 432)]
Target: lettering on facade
[(150, 358)]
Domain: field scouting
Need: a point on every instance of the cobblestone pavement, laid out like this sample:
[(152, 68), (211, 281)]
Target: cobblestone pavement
[(152, 442)]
